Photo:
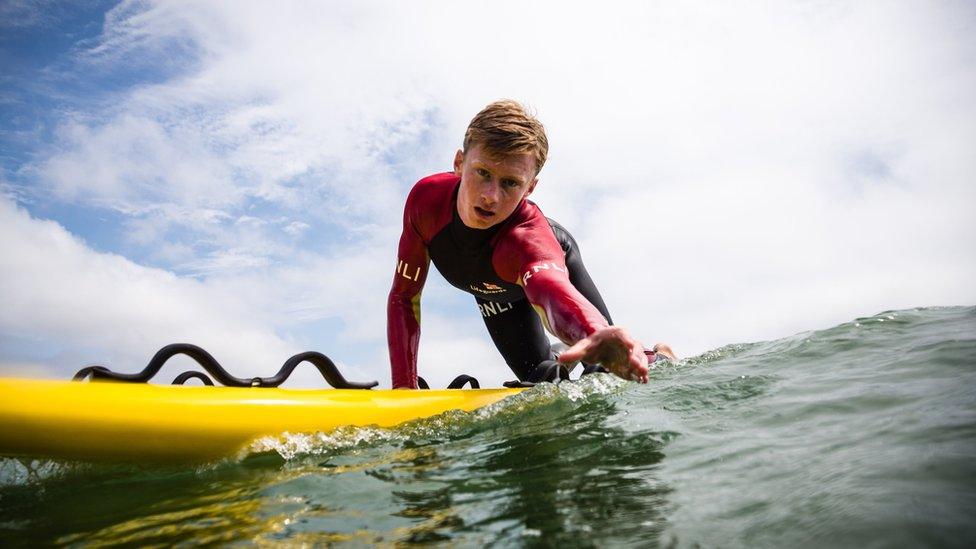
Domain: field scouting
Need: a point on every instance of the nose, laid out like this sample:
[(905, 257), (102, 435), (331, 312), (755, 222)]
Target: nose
[(489, 192)]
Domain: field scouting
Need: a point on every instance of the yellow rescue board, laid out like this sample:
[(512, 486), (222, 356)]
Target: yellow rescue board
[(128, 421)]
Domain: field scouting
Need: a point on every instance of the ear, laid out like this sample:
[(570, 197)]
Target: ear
[(458, 160), (532, 186)]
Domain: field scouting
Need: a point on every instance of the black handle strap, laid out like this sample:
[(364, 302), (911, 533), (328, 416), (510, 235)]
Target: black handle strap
[(186, 376), (460, 380), (321, 362)]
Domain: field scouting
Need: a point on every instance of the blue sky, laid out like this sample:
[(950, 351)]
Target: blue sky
[(232, 174)]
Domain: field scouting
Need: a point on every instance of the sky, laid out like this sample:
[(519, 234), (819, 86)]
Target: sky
[(232, 174)]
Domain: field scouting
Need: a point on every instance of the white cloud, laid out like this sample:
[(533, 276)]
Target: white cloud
[(134, 161), (733, 172), (102, 307), (296, 228), (58, 288)]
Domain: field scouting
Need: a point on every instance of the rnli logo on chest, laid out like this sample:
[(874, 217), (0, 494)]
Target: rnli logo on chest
[(487, 288), (493, 308)]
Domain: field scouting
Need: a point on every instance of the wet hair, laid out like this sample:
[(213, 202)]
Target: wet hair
[(506, 127)]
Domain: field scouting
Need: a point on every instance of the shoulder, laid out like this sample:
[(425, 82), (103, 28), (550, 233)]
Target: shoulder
[(526, 239), (527, 222), (434, 188), (429, 204)]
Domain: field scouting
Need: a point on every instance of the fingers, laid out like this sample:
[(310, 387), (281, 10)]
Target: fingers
[(632, 357), (613, 348), (637, 361)]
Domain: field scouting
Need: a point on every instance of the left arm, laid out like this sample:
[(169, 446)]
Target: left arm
[(534, 260), (564, 311), (575, 321)]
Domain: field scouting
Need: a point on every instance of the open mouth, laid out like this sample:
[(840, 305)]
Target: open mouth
[(487, 214)]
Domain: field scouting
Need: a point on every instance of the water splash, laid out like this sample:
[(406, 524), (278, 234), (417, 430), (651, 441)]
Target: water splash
[(451, 424), (25, 471)]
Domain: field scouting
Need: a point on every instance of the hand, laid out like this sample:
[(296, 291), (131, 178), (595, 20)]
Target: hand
[(614, 349)]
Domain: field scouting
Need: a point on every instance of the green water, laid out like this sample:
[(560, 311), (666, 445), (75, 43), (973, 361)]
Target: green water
[(862, 435)]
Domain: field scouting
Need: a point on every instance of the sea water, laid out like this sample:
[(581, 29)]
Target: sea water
[(861, 435)]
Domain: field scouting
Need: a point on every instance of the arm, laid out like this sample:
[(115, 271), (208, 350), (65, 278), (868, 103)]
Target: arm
[(567, 314), (564, 311), (571, 318), (530, 256), (403, 306)]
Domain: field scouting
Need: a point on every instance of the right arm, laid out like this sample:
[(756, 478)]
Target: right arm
[(403, 306)]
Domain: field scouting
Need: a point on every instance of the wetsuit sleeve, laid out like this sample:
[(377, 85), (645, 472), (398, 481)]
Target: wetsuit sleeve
[(533, 258), (403, 306)]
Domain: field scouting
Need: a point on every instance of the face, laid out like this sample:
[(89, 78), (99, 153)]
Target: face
[(491, 188)]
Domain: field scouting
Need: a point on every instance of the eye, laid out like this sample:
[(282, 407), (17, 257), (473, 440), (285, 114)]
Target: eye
[(510, 183), (482, 172)]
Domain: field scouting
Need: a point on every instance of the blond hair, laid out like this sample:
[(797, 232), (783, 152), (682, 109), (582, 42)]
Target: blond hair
[(506, 127)]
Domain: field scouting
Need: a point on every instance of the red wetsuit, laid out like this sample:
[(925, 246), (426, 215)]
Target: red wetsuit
[(525, 256)]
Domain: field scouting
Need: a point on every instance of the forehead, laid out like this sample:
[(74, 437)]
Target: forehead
[(518, 164)]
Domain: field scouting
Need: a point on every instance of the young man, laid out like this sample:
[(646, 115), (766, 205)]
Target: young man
[(523, 269)]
